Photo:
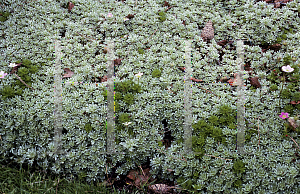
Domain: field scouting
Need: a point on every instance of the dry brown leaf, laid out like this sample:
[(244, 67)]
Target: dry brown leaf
[(196, 80), (293, 123), (275, 47), (130, 16), (277, 5), (181, 68), (132, 174), (70, 6), (223, 79), (105, 50), (69, 73), (139, 179), (166, 4), (117, 62), (104, 79), (295, 102), (254, 82), (222, 42)]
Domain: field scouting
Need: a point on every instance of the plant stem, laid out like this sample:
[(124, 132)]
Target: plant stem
[(281, 90), (295, 142), (23, 81)]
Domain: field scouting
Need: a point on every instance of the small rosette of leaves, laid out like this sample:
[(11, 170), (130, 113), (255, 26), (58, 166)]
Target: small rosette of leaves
[(162, 16)]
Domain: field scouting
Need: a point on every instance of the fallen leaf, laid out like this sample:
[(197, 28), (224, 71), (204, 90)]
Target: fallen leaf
[(69, 73), (104, 79), (132, 174), (293, 123), (181, 68), (224, 79), (196, 80), (254, 82), (105, 50), (277, 5), (275, 47), (294, 102), (139, 179), (117, 62), (70, 6), (130, 16), (166, 4), (247, 66), (222, 42)]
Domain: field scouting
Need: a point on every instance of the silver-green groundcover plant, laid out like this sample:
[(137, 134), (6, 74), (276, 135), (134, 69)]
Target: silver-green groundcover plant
[(268, 169)]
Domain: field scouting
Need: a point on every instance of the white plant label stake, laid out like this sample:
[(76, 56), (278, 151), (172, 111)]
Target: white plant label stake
[(240, 99), (110, 100), (57, 99), (187, 97)]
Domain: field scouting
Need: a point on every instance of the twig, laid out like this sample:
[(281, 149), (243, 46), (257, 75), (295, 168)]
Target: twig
[(57, 185), (23, 81), (183, 157), (144, 23), (135, 185), (222, 169), (169, 8), (208, 91), (294, 141), (161, 132), (86, 37), (106, 171), (151, 36), (142, 171), (48, 189), (172, 91)]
